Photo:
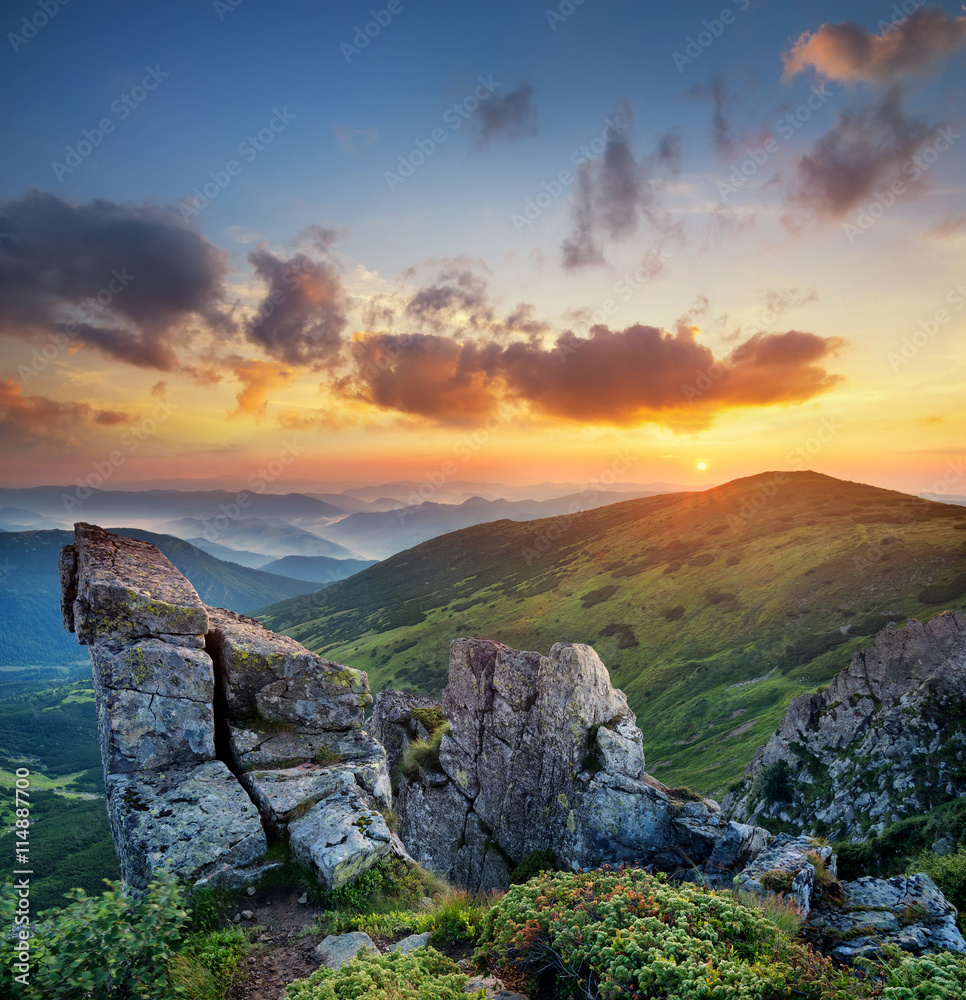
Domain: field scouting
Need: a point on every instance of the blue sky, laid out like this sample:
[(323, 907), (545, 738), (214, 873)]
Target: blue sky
[(701, 88)]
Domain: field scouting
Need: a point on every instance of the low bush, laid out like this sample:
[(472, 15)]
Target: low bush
[(948, 871), (423, 974), (772, 783), (625, 933)]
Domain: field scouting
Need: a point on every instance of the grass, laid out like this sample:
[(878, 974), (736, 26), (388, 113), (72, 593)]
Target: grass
[(811, 563)]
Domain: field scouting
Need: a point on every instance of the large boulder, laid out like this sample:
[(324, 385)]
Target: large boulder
[(217, 735), (544, 754), (908, 911)]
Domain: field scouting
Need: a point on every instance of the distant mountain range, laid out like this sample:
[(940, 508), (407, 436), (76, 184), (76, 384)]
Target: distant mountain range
[(381, 534), (711, 609), (31, 631), (253, 528)]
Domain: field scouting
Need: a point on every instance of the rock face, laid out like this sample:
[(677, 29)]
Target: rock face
[(217, 735), (543, 754), (887, 739)]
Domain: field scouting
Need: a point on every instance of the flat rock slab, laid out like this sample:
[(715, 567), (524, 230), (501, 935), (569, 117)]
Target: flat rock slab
[(126, 587), (334, 951), (185, 821)]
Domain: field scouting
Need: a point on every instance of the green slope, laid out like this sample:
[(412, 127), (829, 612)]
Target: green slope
[(712, 610)]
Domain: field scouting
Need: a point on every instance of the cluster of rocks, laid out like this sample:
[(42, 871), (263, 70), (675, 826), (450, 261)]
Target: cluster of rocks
[(218, 736), (850, 920), (542, 754), (886, 739)]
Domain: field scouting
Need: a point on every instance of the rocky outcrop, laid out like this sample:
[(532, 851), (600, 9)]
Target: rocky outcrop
[(887, 739), (907, 911), (217, 735), (543, 754)]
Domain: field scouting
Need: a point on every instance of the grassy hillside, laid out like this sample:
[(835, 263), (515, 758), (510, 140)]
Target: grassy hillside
[(712, 610), (32, 636)]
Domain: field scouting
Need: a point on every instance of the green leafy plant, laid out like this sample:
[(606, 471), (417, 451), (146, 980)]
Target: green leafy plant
[(772, 783), (430, 719), (948, 871), (625, 933), (207, 964), (423, 974), (117, 944)]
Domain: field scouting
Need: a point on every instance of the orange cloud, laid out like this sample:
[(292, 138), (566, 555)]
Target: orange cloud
[(32, 420), (613, 377), (258, 379), (848, 53)]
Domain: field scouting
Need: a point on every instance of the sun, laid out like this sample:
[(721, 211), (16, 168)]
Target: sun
[(702, 466)]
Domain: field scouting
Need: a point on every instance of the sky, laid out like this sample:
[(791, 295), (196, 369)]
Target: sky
[(601, 242)]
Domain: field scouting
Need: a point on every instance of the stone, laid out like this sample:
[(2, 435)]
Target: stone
[(125, 587), (339, 838), (186, 821), (334, 951), (895, 702), (544, 754), (274, 677), (788, 862), (412, 942), (215, 731), (908, 911)]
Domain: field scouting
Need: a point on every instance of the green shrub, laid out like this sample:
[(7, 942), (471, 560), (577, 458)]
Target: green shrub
[(423, 974), (940, 593), (207, 964), (598, 596), (941, 976), (673, 614), (430, 719), (533, 864), (772, 783), (458, 916), (624, 933), (113, 945), (948, 871)]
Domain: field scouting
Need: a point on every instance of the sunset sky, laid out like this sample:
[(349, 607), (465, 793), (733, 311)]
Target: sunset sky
[(511, 241)]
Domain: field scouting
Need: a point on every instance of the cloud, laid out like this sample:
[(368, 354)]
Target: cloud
[(721, 128), (612, 377), (848, 53), (866, 148), (508, 116), (950, 224), (421, 374), (456, 296), (28, 421), (128, 277), (111, 418), (258, 379), (615, 195), (301, 319)]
